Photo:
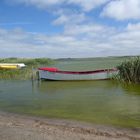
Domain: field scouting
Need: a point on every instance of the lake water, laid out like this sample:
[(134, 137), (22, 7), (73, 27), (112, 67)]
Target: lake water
[(98, 102)]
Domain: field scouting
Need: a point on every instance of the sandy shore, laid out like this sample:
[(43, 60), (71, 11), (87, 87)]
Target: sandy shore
[(21, 127)]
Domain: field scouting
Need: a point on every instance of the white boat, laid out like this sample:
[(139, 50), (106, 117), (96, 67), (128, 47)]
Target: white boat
[(48, 73), (11, 65)]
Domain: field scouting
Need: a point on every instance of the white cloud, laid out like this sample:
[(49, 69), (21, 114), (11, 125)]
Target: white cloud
[(122, 9), (86, 29), (81, 36), (86, 5), (117, 9), (133, 27), (71, 19), (84, 40)]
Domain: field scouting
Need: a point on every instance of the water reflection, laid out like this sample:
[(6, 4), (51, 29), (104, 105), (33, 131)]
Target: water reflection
[(52, 86), (133, 89)]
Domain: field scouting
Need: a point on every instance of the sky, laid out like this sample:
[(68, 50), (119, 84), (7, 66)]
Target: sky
[(69, 28)]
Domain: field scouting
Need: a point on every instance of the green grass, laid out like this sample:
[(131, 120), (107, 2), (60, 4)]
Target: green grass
[(129, 71), (26, 73)]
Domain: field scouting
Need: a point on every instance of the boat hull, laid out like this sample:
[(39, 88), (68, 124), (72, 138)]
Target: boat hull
[(47, 75)]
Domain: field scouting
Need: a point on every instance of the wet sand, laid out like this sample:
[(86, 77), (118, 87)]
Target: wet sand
[(22, 127)]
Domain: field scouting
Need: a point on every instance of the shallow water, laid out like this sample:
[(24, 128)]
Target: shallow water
[(98, 102), (101, 102)]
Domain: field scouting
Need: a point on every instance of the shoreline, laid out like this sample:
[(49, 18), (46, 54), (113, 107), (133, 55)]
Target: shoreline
[(16, 126)]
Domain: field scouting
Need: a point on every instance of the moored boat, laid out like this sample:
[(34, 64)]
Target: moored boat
[(48, 73), (11, 65)]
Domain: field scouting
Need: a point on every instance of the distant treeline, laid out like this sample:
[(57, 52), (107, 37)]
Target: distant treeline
[(95, 58), (25, 73)]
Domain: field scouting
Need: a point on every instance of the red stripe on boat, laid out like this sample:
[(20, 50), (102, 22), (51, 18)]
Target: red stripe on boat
[(76, 72), (49, 69)]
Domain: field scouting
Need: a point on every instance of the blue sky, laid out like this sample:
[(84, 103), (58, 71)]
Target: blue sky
[(69, 28)]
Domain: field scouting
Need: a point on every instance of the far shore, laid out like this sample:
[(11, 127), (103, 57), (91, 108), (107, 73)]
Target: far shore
[(21, 127)]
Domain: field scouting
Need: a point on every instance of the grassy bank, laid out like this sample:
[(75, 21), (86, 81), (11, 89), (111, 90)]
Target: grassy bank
[(129, 71), (25, 73)]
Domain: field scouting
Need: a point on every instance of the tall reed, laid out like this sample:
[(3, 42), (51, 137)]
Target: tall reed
[(129, 71)]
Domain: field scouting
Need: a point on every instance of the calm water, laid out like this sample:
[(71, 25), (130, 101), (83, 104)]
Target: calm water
[(101, 102)]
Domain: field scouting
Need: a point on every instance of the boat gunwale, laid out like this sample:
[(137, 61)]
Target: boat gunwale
[(80, 72)]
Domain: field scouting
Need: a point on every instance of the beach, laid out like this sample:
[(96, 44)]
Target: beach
[(23, 127)]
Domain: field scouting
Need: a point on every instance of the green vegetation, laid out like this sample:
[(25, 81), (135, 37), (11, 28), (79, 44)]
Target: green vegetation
[(129, 67), (129, 71), (25, 73)]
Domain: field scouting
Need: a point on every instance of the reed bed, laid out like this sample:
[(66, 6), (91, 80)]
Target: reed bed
[(129, 71), (25, 73)]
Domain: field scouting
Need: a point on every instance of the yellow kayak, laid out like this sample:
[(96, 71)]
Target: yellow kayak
[(8, 67), (11, 65)]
